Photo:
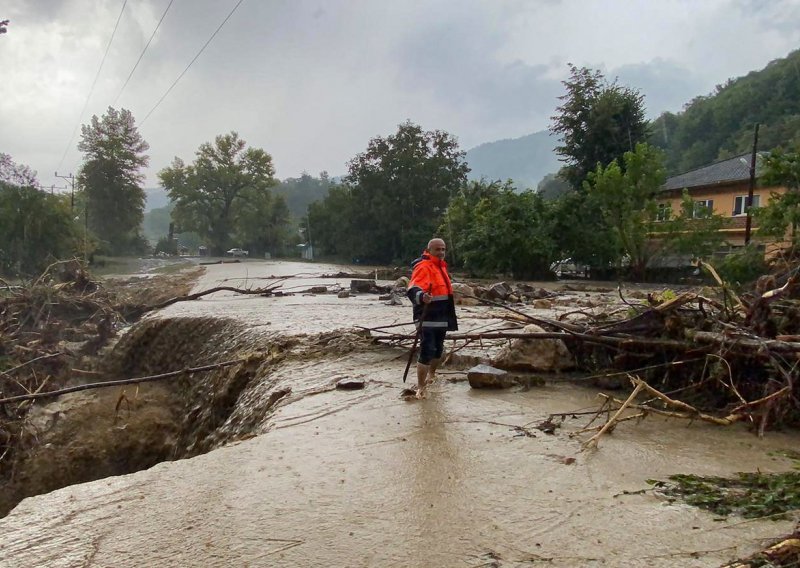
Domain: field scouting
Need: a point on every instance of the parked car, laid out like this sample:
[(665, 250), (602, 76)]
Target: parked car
[(237, 252)]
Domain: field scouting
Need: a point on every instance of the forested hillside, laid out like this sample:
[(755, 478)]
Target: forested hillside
[(720, 125)]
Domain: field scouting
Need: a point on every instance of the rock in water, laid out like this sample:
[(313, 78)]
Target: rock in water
[(362, 286), (350, 384), (535, 354), (487, 377), (462, 293)]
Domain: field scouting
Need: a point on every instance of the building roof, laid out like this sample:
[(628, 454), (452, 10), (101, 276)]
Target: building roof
[(731, 170)]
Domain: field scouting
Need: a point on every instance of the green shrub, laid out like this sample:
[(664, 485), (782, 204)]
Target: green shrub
[(743, 266)]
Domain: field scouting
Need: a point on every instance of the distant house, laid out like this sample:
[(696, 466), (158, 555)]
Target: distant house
[(722, 187)]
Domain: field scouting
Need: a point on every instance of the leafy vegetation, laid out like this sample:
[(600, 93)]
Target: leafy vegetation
[(720, 125), (782, 214), (596, 123), (227, 181), (392, 198), (36, 228), (750, 495), (743, 266), (112, 199), (494, 229)]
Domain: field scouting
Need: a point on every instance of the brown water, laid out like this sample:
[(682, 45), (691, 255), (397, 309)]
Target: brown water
[(362, 478)]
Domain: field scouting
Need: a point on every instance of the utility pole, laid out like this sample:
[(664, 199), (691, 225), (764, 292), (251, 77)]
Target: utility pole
[(71, 179), (749, 222)]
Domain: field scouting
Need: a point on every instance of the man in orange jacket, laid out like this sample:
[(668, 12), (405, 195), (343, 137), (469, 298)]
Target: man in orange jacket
[(431, 293)]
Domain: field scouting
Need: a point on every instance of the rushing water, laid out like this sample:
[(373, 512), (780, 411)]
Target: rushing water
[(363, 478)]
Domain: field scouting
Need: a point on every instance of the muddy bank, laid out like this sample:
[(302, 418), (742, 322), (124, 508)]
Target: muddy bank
[(115, 431), (55, 332)]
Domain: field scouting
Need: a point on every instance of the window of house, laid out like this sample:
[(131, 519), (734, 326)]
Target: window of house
[(703, 208), (664, 212), (740, 204)]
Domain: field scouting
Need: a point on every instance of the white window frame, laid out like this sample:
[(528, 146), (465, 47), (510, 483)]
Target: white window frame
[(741, 200), (664, 212), (704, 205)]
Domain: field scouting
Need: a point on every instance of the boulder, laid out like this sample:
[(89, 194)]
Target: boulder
[(350, 384), (343, 294), (401, 284), (461, 293), (360, 286), (487, 377), (542, 304), (499, 291), (535, 354), (319, 289)]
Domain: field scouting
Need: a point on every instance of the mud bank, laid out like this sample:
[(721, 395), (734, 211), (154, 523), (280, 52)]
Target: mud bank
[(283, 469), (115, 431)]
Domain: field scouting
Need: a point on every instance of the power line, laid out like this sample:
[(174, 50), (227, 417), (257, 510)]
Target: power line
[(142, 54), (191, 62), (97, 75)]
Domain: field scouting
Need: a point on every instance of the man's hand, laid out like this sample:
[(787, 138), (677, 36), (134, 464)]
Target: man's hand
[(426, 298)]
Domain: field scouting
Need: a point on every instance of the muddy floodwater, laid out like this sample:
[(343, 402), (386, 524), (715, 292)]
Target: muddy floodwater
[(362, 478)]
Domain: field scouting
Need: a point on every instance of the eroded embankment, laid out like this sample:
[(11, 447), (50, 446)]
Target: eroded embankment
[(115, 431)]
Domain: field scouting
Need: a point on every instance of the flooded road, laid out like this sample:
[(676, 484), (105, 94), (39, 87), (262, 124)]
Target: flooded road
[(363, 478)]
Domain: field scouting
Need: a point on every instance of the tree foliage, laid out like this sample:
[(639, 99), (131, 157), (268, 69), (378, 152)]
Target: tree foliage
[(596, 123), (111, 178), (393, 196), (624, 196), (495, 230), (782, 214), (720, 125), (303, 191), (36, 228), (227, 181), (627, 199)]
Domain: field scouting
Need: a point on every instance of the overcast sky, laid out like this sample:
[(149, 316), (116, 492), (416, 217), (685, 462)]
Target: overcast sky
[(311, 81)]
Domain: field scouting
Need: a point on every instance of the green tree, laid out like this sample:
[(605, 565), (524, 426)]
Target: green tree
[(333, 233), (597, 122), (400, 186), (303, 191), (627, 199), (782, 214), (460, 216), (720, 124), (508, 233), (36, 228), (111, 180), (624, 196), (263, 222), (224, 180)]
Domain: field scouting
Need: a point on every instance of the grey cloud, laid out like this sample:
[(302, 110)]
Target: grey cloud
[(666, 85)]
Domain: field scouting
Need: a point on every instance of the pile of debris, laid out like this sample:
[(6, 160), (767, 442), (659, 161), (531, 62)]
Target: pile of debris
[(709, 355)]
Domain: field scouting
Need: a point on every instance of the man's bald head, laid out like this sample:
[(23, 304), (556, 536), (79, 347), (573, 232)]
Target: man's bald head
[(437, 248)]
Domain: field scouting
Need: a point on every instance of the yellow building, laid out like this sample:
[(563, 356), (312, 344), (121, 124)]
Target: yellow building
[(721, 186)]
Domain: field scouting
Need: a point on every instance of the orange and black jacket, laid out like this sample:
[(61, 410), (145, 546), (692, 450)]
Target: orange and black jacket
[(430, 276)]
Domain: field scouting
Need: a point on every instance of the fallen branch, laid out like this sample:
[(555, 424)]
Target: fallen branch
[(592, 442), (26, 363), (267, 290), (103, 384)]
